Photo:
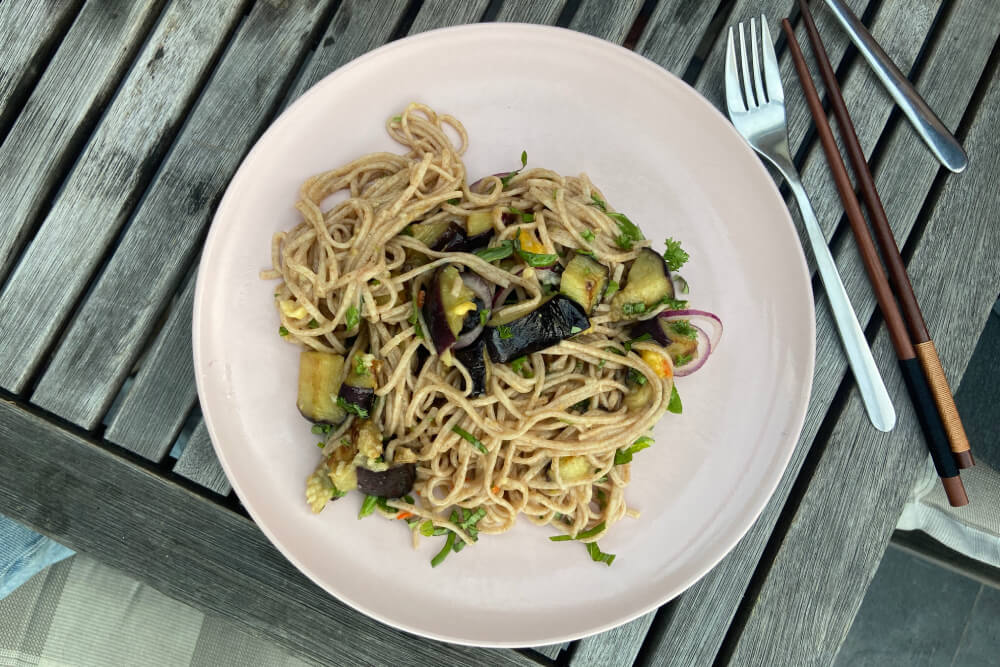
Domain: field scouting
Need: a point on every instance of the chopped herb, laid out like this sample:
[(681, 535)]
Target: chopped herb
[(368, 506), (675, 401), (505, 331), (397, 119), (471, 439), (504, 250), (630, 233), (408, 499), (469, 523), (614, 350), (625, 455), (345, 442), (414, 319), (682, 284), (525, 217), (524, 159), (535, 259), (352, 318), (602, 498), (524, 162), (603, 361), (581, 251), (282, 331), (673, 304), (635, 308), (581, 406), (336, 493), (455, 201), (313, 324), (427, 528), (636, 377), (321, 444), (638, 339), (374, 282), (383, 505), (682, 359), (684, 328), (575, 330), (610, 291), (674, 255), (598, 202), (484, 315), (360, 367), (353, 408), (599, 556), (518, 367), (596, 530), (445, 550), (321, 429), (587, 234)]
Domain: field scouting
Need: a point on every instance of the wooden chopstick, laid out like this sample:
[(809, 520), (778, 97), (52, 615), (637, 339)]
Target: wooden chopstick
[(923, 344), (916, 382)]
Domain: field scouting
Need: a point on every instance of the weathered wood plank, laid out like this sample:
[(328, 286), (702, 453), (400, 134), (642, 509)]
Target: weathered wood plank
[(440, 13), (61, 111), (674, 31), (701, 617), (192, 549), (199, 464), (153, 411), (107, 181), (358, 27), (110, 327), (610, 21), (843, 524), (531, 11), (30, 30), (618, 646)]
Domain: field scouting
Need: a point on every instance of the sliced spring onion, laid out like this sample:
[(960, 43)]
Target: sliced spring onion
[(445, 550), (599, 556), (533, 259), (471, 439), (596, 530), (368, 506)]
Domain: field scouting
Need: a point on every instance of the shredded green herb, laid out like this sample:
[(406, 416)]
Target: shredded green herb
[(614, 350), (445, 550), (518, 367), (599, 556), (525, 217), (484, 315), (321, 444), (625, 455), (674, 405), (360, 368), (610, 291), (638, 339), (630, 233), (603, 361), (368, 506), (502, 251), (427, 528), (682, 359), (673, 304), (682, 284), (684, 328), (353, 408), (397, 119), (535, 259), (471, 439), (504, 331), (635, 308), (524, 162), (596, 530), (353, 318), (581, 251), (414, 319), (313, 324), (598, 202), (575, 329), (282, 331), (455, 201), (674, 255), (321, 429), (587, 234), (336, 493), (636, 377)]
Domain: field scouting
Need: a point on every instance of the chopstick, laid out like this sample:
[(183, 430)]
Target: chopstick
[(926, 352), (916, 382)]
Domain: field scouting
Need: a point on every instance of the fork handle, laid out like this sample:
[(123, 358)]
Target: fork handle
[(859, 354)]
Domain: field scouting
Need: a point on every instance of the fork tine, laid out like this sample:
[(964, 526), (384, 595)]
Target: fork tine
[(734, 97), (758, 82), (747, 86), (771, 72)]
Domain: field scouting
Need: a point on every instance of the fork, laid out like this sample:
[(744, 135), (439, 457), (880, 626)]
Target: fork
[(757, 111)]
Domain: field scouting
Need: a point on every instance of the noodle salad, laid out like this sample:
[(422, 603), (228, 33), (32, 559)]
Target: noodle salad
[(476, 352)]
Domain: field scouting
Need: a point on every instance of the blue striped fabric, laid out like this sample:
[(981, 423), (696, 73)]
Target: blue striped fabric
[(24, 553)]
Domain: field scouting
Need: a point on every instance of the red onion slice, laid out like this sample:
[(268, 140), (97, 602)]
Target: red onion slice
[(701, 319), (499, 174), (469, 337), (484, 292), (704, 350)]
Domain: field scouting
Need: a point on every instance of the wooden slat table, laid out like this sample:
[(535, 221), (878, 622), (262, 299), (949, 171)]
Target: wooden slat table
[(121, 123)]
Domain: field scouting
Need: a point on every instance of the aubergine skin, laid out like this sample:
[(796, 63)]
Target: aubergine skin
[(363, 397), (653, 327), (434, 315), (453, 239), (394, 482), (474, 360), (555, 320)]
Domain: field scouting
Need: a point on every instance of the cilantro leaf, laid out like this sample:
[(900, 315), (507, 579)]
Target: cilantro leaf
[(674, 255), (282, 331), (353, 408), (684, 328), (352, 318), (505, 331)]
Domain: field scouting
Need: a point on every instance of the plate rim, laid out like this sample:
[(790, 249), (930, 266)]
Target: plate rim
[(569, 37)]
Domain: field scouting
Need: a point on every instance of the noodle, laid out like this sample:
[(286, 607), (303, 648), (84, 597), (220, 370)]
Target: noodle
[(567, 401)]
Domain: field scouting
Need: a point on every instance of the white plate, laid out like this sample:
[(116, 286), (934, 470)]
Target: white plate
[(661, 153)]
